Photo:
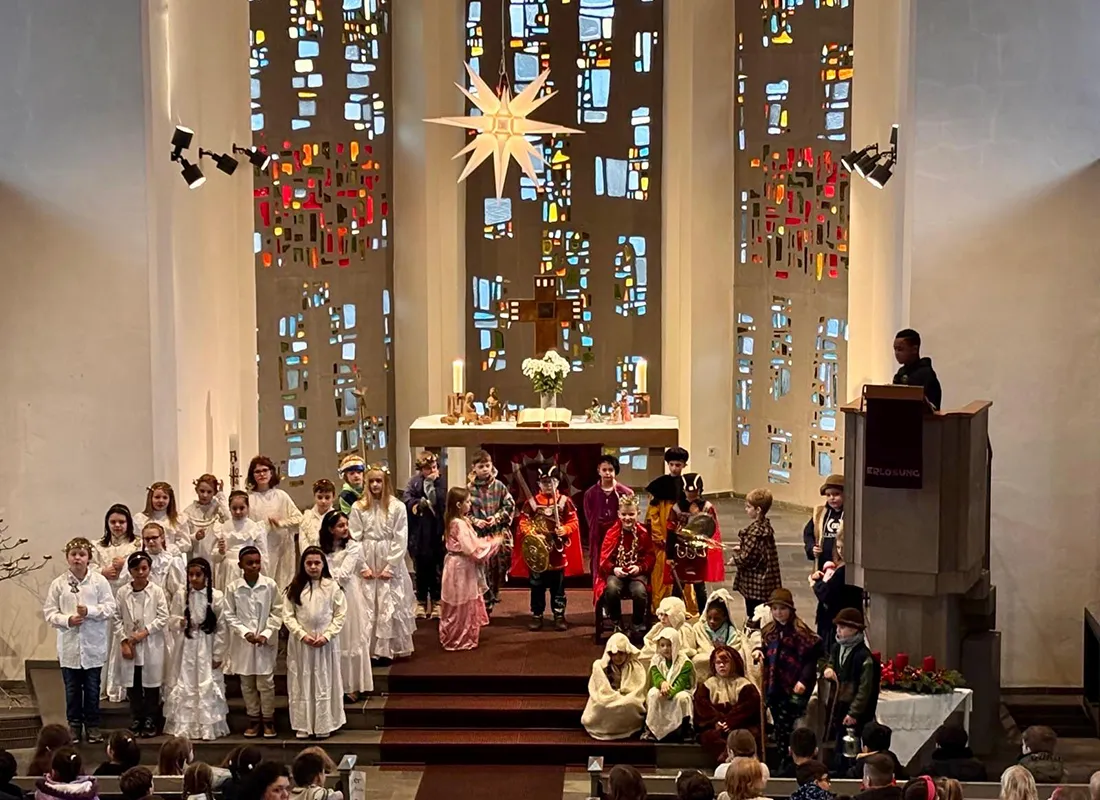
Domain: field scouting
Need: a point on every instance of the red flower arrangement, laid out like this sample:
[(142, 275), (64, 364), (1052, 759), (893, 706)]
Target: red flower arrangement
[(925, 679)]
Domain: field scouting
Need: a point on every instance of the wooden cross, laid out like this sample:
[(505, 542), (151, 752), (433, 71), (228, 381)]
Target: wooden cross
[(549, 312)]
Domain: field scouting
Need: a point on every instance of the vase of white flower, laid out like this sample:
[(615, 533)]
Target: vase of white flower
[(547, 375)]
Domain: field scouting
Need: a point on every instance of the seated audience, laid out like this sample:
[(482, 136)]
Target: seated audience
[(240, 762), (136, 783), (66, 781), (269, 780), (624, 782), (744, 780), (8, 770), (949, 789), (693, 785), (725, 702), (198, 782), (740, 744), (876, 739), (616, 692), (1038, 745), (803, 748), (921, 788), (123, 752), (813, 782), (50, 738), (1017, 783), (878, 779), (952, 758), (330, 765), (175, 754), (308, 771)]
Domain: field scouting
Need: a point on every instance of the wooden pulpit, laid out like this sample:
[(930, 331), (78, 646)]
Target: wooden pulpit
[(916, 529)]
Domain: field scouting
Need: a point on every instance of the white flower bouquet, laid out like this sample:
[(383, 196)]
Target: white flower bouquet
[(548, 373)]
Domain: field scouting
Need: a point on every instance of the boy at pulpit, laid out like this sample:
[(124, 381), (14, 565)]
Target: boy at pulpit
[(663, 494)]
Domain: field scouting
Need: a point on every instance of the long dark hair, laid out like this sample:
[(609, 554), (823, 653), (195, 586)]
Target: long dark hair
[(257, 461), (301, 580), (117, 508), (124, 749), (210, 623), (328, 540), (50, 738)]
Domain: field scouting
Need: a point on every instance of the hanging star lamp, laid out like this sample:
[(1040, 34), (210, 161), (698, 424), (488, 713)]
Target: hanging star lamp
[(503, 126)]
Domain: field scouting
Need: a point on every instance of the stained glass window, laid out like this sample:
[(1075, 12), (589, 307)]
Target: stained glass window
[(320, 103), (593, 219), (793, 112)]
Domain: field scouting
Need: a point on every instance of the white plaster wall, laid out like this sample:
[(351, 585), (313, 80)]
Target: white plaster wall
[(75, 406), (1006, 291)]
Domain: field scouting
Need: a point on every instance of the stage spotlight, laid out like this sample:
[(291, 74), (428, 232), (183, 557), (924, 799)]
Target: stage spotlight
[(868, 162), (882, 173), (256, 157), (225, 162), (849, 161), (181, 140), (192, 174)]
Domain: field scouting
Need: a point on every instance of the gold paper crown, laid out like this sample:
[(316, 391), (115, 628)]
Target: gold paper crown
[(78, 543), (627, 501), (379, 467)]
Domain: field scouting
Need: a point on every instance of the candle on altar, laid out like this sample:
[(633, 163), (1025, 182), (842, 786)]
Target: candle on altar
[(901, 661), (457, 369), (641, 376), (234, 443), (929, 664)]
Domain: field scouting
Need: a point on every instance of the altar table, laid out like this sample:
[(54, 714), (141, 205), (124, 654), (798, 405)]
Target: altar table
[(914, 718)]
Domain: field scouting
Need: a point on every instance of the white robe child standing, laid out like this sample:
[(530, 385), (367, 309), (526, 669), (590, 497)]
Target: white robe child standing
[(177, 535), (137, 610), (276, 504), (255, 609), (196, 706), (345, 564), (315, 685), (238, 534), (389, 610), (104, 558), (202, 521)]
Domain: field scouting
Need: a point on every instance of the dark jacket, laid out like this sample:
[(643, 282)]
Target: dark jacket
[(856, 770), (857, 684), (109, 768), (10, 789), (1044, 767), (920, 373), (955, 762), (811, 791), (426, 524), (881, 793), (833, 595)]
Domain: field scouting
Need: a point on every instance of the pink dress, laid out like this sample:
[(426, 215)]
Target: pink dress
[(463, 587)]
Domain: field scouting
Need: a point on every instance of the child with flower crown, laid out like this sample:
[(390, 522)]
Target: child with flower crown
[(160, 507)]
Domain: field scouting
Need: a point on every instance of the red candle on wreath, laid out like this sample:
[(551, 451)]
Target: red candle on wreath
[(877, 656), (929, 664), (901, 661)]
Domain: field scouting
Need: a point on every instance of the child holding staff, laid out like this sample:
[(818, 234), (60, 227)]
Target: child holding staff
[(205, 514), (160, 507), (254, 615), (463, 586)]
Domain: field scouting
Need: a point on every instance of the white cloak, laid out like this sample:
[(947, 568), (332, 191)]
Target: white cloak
[(314, 682), (239, 534), (253, 609), (390, 603), (345, 566), (616, 713), (280, 541), (665, 715)]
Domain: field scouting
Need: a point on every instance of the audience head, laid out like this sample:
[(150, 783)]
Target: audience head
[(242, 760), (330, 765), (803, 744), (921, 788), (135, 783), (123, 749), (949, 789), (269, 781), (812, 771), (308, 769), (625, 783), (1018, 784), (198, 779), (8, 766), (65, 765), (175, 755), (1094, 786), (951, 737), (878, 771), (693, 785), (50, 738), (744, 779), (740, 744), (1039, 739), (876, 737)]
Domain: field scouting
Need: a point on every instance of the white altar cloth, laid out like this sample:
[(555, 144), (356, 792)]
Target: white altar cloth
[(914, 718)]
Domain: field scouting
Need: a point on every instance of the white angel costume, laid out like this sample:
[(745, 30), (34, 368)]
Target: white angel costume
[(103, 556), (195, 706), (345, 565), (314, 682), (202, 521), (390, 602), (665, 715), (309, 530), (177, 535), (671, 613), (616, 695), (239, 534), (147, 609), (276, 503)]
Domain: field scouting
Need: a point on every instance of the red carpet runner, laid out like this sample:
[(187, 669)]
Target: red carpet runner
[(491, 783)]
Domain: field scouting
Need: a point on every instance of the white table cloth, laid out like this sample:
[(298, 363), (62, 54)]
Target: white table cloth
[(914, 718)]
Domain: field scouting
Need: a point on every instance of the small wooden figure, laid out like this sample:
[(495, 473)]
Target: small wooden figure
[(594, 413), (493, 406)]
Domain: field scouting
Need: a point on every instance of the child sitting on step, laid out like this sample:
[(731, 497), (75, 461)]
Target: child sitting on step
[(669, 702)]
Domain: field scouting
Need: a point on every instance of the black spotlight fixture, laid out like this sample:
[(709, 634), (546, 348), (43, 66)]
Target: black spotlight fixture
[(225, 162), (191, 173), (181, 140), (867, 163), (881, 174), (849, 161), (258, 158)]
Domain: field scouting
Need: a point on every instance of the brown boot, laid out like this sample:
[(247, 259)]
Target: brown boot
[(253, 729), (269, 729)]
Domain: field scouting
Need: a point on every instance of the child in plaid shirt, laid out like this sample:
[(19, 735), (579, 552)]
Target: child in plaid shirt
[(491, 512), (755, 554)]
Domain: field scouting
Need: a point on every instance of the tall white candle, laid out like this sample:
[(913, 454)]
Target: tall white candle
[(234, 443), (641, 376), (457, 368)]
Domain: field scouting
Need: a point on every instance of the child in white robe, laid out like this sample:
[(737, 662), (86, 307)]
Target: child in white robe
[(381, 524), (671, 613), (140, 621), (669, 702), (169, 574), (109, 557), (233, 536), (203, 516), (324, 498), (314, 615), (160, 507), (254, 615), (195, 707), (345, 561), (271, 505), (616, 692)]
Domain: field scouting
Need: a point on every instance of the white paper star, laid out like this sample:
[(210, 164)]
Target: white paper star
[(503, 127)]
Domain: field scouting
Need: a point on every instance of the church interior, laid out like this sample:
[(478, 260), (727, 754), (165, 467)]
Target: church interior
[(732, 258)]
